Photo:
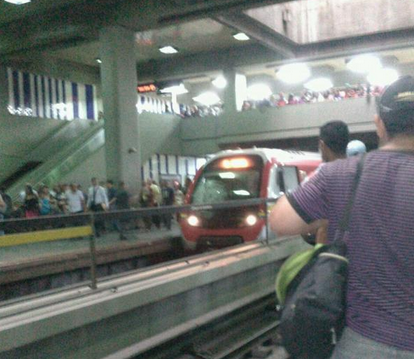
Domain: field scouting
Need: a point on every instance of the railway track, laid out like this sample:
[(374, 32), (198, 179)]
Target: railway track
[(250, 332)]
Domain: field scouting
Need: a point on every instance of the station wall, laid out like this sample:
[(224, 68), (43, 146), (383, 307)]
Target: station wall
[(34, 139), (23, 138), (158, 133), (157, 167), (206, 135), (94, 166), (30, 138)]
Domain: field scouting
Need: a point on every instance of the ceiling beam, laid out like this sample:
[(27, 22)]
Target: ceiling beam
[(187, 10), (356, 45), (257, 31)]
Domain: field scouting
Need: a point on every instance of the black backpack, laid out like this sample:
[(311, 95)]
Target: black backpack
[(313, 314)]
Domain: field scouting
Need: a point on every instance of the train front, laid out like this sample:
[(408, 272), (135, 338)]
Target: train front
[(226, 178)]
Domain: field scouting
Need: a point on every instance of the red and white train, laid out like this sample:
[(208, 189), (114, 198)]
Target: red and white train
[(240, 175)]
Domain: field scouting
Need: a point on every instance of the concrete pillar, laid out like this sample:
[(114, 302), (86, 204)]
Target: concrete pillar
[(119, 95), (235, 92)]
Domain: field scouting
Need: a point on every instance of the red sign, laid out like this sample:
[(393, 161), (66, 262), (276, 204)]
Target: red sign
[(146, 88)]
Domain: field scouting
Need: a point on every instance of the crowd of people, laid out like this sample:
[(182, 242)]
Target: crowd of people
[(161, 106), (307, 96), (100, 197)]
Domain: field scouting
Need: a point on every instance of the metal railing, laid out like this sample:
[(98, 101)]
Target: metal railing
[(53, 228)]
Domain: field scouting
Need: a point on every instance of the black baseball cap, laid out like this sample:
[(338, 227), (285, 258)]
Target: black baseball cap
[(396, 107), (397, 96)]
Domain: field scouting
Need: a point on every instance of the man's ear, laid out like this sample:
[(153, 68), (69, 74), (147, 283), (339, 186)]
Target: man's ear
[(381, 130), (322, 145)]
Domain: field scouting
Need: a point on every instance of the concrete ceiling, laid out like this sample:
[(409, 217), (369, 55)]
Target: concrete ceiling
[(189, 38), (313, 21), (280, 31)]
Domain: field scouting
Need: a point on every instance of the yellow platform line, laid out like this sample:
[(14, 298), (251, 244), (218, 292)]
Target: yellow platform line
[(45, 236)]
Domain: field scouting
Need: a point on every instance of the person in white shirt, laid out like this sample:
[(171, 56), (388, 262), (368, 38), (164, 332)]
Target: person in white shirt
[(76, 200), (97, 202), (97, 198)]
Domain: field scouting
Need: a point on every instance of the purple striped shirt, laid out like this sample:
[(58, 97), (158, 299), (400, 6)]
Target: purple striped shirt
[(380, 297)]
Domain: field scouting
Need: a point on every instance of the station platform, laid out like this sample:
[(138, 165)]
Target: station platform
[(29, 268)]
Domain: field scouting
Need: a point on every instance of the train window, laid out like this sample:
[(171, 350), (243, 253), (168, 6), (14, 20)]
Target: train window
[(219, 183), (288, 178)]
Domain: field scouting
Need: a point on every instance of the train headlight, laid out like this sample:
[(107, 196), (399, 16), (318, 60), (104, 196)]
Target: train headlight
[(193, 221), (251, 220)]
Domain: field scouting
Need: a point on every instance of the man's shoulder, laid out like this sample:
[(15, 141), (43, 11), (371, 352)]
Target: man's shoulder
[(340, 168)]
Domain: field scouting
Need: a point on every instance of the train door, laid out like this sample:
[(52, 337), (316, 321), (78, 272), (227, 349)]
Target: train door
[(282, 180), (287, 178)]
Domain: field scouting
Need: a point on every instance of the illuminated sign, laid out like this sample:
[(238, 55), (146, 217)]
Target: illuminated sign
[(146, 88), (237, 162)]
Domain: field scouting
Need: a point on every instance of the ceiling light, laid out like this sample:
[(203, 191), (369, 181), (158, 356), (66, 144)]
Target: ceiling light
[(293, 73), (220, 82), (207, 98), (258, 92), (18, 2), (382, 77), (168, 50), (364, 64), (177, 90), (241, 36), (98, 60), (319, 85)]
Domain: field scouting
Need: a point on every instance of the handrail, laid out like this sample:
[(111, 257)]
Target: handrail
[(82, 218)]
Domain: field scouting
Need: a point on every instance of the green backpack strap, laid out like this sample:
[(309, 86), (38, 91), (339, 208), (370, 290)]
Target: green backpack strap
[(290, 269)]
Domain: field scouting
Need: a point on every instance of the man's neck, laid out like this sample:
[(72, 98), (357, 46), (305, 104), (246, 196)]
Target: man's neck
[(400, 143), (335, 157)]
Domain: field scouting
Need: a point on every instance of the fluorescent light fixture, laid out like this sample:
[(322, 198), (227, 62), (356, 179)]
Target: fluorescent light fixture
[(241, 36), (382, 77), (258, 92), (220, 82), (319, 85), (364, 63), (177, 90), (18, 2), (207, 98), (227, 175), (294, 73), (168, 50), (98, 60)]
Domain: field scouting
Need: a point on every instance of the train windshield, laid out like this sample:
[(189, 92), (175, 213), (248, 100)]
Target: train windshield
[(227, 179)]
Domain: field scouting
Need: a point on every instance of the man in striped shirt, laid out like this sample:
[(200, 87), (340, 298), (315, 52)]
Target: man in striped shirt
[(380, 295)]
